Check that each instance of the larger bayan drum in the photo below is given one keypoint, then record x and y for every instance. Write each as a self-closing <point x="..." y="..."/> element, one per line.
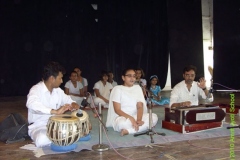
<point x="63" y="130"/>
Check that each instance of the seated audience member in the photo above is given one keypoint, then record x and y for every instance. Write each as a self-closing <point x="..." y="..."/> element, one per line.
<point x="102" y="90"/>
<point x="74" y="88"/>
<point x="110" y="79"/>
<point x="140" y="80"/>
<point x="154" y="92"/>
<point x="127" y="111"/>
<point x="82" y="80"/>
<point x="188" y="91"/>
<point x="46" y="99"/>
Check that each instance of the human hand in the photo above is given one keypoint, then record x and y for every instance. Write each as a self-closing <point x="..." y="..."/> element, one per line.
<point x="74" y="106"/>
<point x="186" y="104"/>
<point x="62" y="109"/>
<point x="134" y="123"/>
<point x="202" y="83"/>
<point x="140" y="123"/>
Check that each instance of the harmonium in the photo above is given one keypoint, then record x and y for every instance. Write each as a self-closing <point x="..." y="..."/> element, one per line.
<point x="194" y="118"/>
<point x="230" y="108"/>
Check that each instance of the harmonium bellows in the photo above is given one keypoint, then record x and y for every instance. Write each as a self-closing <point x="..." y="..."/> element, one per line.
<point x="199" y="114"/>
<point x="194" y="118"/>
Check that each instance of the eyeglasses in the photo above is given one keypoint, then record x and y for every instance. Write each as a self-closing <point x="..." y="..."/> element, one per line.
<point x="131" y="75"/>
<point x="190" y="75"/>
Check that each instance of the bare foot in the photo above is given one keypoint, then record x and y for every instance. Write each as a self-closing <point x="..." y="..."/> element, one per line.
<point x="124" y="132"/>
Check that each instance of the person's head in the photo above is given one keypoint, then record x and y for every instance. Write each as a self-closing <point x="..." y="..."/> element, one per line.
<point x="104" y="76"/>
<point x="78" y="70"/>
<point x="189" y="73"/>
<point x="139" y="73"/>
<point x="154" y="80"/>
<point x="53" y="73"/>
<point x="73" y="76"/>
<point x="110" y="75"/>
<point x="128" y="77"/>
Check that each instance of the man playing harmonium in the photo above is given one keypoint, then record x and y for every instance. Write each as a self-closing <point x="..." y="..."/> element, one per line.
<point x="187" y="92"/>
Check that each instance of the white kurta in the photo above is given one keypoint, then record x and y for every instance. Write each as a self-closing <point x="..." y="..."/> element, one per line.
<point x="141" y="82"/>
<point x="84" y="82"/>
<point x="72" y="89"/>
<point x="128" y="98"/>
<point x="40" y="102"/>
<point x="104" y="91"/>
<point x="180" y="93"/>
<point x="75" y="90"/>
<point x="114" y="83"/>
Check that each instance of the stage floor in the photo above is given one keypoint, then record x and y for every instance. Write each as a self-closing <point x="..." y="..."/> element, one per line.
<point x="207" y="149"/>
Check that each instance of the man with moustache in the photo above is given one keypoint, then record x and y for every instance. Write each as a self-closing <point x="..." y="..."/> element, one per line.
<point x="188" y="91"/>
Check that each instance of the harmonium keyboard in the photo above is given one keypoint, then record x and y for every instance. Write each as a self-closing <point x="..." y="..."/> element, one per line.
<point x="194" y="118"/>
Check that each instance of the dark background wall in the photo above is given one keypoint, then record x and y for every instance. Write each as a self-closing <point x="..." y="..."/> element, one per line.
<point x="226" y="43"/>
<point x="127" y="34"/>
<point x="186" y="42"/>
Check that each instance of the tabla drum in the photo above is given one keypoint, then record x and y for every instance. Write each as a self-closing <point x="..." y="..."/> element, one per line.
<point x="63" y="130"/>
<point x="85" y="124"/>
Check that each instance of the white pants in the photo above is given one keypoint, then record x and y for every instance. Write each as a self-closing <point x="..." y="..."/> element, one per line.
<point x="77" y="99"/>
<point x="39" y="136"/>
<point x="99" y="100"/>
<point x="123" y="123"/>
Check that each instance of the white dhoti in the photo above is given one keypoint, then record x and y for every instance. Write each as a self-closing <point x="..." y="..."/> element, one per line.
<point x="77" y="99"/>
<point x="123" y="123"/>
<point x="39" y="135"/>
<point x="99" y="100"/>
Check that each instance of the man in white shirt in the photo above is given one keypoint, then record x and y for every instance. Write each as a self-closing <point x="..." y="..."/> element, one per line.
<point x="187" y="92"/>
<point x="46" y="99"/>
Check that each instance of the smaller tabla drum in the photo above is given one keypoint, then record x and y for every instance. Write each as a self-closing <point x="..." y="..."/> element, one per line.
<point x="63" y="130"/>
<point x="84" y="122"/>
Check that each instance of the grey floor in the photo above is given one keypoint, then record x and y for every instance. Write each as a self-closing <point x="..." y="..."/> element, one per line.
<point x="205" y="149"/>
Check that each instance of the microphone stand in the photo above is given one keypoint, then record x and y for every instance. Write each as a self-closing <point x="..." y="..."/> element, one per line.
<point x="211" y="90"/>
<point x="234" y="127"/>
<point x="85" y="104"/>
<point x="149" y="131"/>
<point x="100" y="146"/>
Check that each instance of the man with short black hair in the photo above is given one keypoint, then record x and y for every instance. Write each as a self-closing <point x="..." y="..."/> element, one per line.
<point x="187" y="92"/>
<point x="46" y="99"/>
